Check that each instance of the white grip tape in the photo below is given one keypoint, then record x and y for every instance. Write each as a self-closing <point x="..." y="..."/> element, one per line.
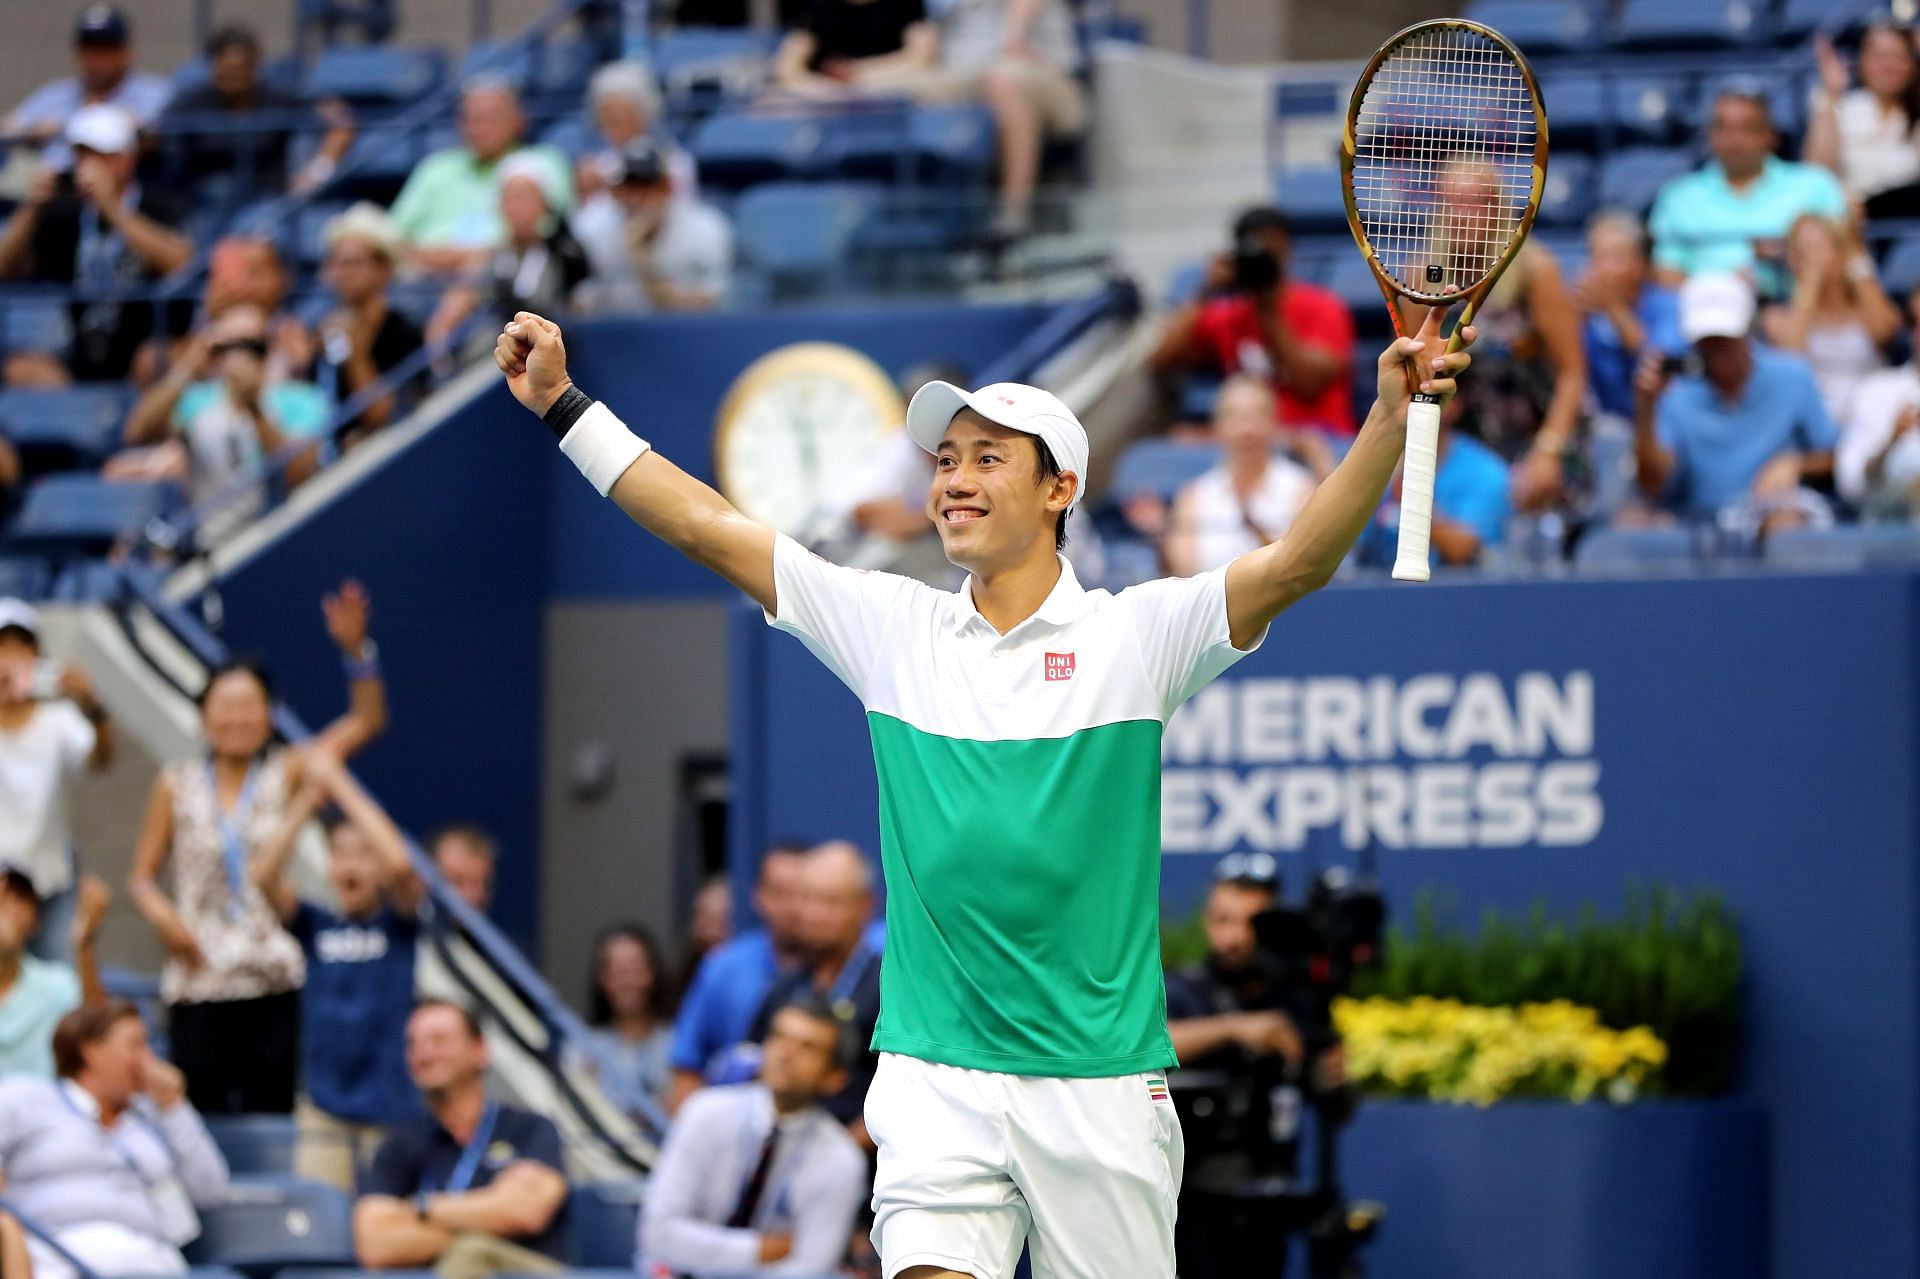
<point x="602" y="447"/>
<point x="1416" y="492"/>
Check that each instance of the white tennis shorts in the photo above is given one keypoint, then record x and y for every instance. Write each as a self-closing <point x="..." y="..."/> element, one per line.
<point x="973" y="1163"/>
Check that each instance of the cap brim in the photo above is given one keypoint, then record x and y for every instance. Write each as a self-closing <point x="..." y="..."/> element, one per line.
<point x="932" y="410"/>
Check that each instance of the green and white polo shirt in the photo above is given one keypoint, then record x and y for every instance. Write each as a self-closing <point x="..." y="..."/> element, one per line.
<point x="1019" y="805"/>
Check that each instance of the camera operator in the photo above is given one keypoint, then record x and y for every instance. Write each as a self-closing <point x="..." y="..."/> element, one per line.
<point x="1252" y="316"/>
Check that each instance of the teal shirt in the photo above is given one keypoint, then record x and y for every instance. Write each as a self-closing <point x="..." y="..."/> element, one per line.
<point x="43" y="994"/>
<point x="450" y="198"/>
<point x="1700" y="223"/>
<point x="298" y="408"/>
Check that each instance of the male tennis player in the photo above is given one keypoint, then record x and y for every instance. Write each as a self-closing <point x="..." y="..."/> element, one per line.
<point x="1016" y="731"/>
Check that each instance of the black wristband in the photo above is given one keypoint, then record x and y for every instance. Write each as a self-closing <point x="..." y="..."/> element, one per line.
<point x="565" y="411"/>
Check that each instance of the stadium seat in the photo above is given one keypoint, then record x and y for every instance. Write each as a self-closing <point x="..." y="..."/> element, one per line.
<point x="1800" y="18"/>
<point x="85" y="514"/>
<point x="268" y="1224"/>
<point x="1635" y="550"/>
<point x="509" y="60"/>
<point x="1353" y="282"/>
<point x="952" y="143"/>
<point x="561" y="68"/>
<point x="375" y="166"/>
<point x="1567" y="197"/>
<point x="735" y="151"/>
<point x="55" y="429"/>
<point x="1158" y="467"/>
<point x="33" y="318"/>
<point x="25" y="579"/>
<point x="1843" y="548"/>
<point x="1689" y="24"/>
<point x="800" y="230"/>
<point x="573" y="134"/>
<point x="1198" y="394"/>
<point x="1538" y="26"/>
<point x="255" y="1144"/>
<point x="1584" y="105"/>
<point x="603" y="1217"/>
<point x="1900" y="271"/>
<point x="693" y="59"/>
<point x="376" y="76"/>
<point x="1311" y="198"/>
<point x="306" y="246"/>
<point x="1184" y="285"/>
<point x="1631" y="178"/>
<point x="871" y="141"/>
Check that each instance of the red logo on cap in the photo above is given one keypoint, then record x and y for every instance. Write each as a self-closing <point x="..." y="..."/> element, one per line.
<point x="1059" y="666"/>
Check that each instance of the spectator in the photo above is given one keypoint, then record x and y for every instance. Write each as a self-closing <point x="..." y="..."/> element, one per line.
<point x="364" y="338"/>
<point x="353" y="1012"/>
<point x="15" y="1261"/>
<point x="711" y="923"/>
<point x="1738" y="441"/>
<point x="99" y="229"/>
<point x="242" y="270"/>
<point x="9" y="472"/>
<point x="52" y="726"/>
<point x="1625" y="313"/>
<point x="464" y="854"/>
<point x="1733" y="214"/>
<point x="449" y="211"/>
<point x="651" y="249"/>
<point x="845" y="47"/>
<point x="1472" y="501"/>
<point x="111" y="1159"/>
<point x="218" y="415"/>
<point x="631" y="1009"/>
<point x="230" y="135"/>
<point x="879" y="505"/>
<point x="1867" y="136"/>
<point x="537" y="267"/>
<point x="733" y="981"/>
<point x="1838" y="316"/>
<point x="233" y="973"/>
<point x="36" y="993"/>
<point x="1877" y="463"/>
<point x="757" y="1178"/>
<point x="471" y="1188"/>
<point x="841" y="964"/>
<point x="1249" y="498"/>
<point x="103" y="63"/>
<point x="625" y="101"/>
<point x="1254" y="317"/>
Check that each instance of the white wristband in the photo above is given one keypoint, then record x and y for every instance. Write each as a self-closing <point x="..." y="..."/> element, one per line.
<point x="602" y="447"/>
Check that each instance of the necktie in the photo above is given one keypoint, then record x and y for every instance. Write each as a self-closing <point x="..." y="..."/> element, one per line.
<point x="756" y="1184"/>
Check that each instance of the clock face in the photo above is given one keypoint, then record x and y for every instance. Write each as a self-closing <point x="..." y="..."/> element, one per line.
<point x="799" y="424"/>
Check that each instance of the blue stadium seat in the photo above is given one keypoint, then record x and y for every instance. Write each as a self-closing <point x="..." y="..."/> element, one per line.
<point x="25" y="579"/>
<point x="1199" y="392"/>
<point x="1800" y="18"/>
<point x="1631" y="178"/>
<point x="562" y="68"/>
<point x="255" y="1144"/>
<point x="603" y="1217"/>
<point x="871" y="141"/>
<point x="268" y="1224"/>
<point x="87" y="582"/>
<point x="1185" y="283"/>
<point x="1689" y="24"/>
<point x="53" y="429"/>
<point x="1846" y="547"/>
<point x="804" y="230"/>
<point x="952" y="143"/>
<point x="306" y="245"/>
<point x="375" y="166"/>
<point x="83" y="513"/>
<point x="692" y="58"/>
<point x="736" y="151"/>
<point x="1900" y="271"/>
<point x="1582" y="105"/>
<point x="573" y="134"/>
<point x="211" y="1272"/>
<point x="1635" y="550"/>
<point x="33" y="318"/>
<point x="1353" y="282"/>
<point x="509" y="60"/>
<point x="1311" y="198"/>
<point x="1158" y="467"/>
<point x="1538" y="26"/>
<point x="1568" y="195"/>
<point x="376" y="75"/>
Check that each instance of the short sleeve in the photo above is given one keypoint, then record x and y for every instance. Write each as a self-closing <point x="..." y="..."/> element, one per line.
<point x="1817" y="430"/>
<point x="1668" y="251"/>
<point x="839" y="613"/>
<point x="541" y="1145"/>
<point x="395" y="1170"/>
<point x="193" y="402"/>
<point x="1824" y="195"/>
<point x="692" y="1038"/>
<point x="302" y="408"/>
<point x="1876" y="407"/>
<point x="77" y="736"/>
<point x="1483" y="504"/>
<point x="1184" y="636"/>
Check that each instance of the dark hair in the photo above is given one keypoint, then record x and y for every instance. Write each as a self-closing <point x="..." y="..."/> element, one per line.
<point x="659" y="999"/>
<point x="814" y="1005"/>
<point x="1910" y="100"/>
<point x="1260" y="219"/>
<point x="782" y="848"/>
<point x="25" y="633"/>
<point x="467" y="1016"/>
<point x="17" y="883"/>
<point x="247" y="663"/>
<point x="82" y="1028"/>
<point x="469" y="833"/>
<point x="1047" y="469"/>
<point x="233" y="36"/>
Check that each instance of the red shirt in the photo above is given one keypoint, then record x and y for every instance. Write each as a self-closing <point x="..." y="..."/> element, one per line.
<point x="1230" y="331"/>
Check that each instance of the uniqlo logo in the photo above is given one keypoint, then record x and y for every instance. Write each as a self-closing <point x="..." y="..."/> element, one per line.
<point x="1059" y="666"/>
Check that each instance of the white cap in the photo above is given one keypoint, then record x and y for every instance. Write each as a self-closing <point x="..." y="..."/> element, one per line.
<point x="528" y="163"/>
<point x="103" y="128"/>
<point x="19" y="613"/>
<point x="1018" y="407"/>
<point x="1715" y="305"/>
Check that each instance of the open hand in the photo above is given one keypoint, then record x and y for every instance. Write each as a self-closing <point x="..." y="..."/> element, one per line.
<point x="1421" y="363"/>
<point x="534" y="359"/>
<point x="347" y="611"/>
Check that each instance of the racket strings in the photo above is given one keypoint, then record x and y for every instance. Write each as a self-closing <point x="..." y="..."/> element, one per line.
<point x="1443" y="159"/>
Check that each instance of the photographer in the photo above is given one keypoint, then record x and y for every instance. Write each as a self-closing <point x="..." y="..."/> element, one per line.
<point x="1253" y="317"/>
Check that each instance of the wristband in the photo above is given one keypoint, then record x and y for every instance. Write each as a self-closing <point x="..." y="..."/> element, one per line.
<point x="565" y="411"/>
<point x="365" y="666"/>
<point x="601" y="446"/>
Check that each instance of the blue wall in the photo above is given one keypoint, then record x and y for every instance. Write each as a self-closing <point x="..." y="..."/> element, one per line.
<point x="1754" y="735"/>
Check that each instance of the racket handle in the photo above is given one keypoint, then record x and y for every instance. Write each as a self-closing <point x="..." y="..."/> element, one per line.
<point x="1416" y="490"/>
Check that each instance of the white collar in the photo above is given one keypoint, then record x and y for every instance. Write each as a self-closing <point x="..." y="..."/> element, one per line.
<point x="1064" y="604"/>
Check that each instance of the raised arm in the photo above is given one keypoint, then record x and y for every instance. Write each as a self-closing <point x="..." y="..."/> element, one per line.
<point x="659" y="496"/>
<point x="347" y="612"/>
<point x="1263" y="583"/>
<point x="269" y="868"/>
<point x="389" y="845"/>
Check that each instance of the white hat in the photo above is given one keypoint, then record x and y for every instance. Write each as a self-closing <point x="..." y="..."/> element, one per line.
<point x="19" y="614"/>
<point x="366" y="222"/>
<point x="528" y="163"/>
<point x="1715" y="305"/>
<point x="1027" y="409"/>
<point x="103" y="128"/>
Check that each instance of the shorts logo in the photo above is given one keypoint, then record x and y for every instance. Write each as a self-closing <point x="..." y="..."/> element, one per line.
<point x="1059" y="666"/>
<point x="1157" y="1090"/>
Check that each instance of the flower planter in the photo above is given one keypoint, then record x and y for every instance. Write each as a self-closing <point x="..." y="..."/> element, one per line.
<point x="1539" y="1190"/>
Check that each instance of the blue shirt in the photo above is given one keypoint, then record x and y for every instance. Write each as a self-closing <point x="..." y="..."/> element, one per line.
<point x="354" y="1013"/>
<point x="41" y="995"/>
<point x="728" y="989"/>
<point x="420" y="1156"/>
<point x="1610" y="365"/>
<point x="141" y="95"/>
<point x="1700" y="223"/>
<point x="1718" y="448"/>
<point x="1470" y="488"/>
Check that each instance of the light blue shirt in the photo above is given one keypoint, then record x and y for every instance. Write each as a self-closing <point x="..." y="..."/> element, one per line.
<point x="1470" y="488"/>
<point x="1610" y="365"/>
<point x="41" y="996"/>
<point x="1700" y="223"/>
<point x="1718" y="448"/>
<point x="728" y="989"/>
<point x="140" y="95"/>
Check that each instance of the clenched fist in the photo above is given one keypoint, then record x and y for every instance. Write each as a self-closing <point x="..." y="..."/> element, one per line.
<point x="534" y="359"/>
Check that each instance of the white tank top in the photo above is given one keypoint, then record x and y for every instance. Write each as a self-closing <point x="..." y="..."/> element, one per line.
<point x="1224" y="529"/>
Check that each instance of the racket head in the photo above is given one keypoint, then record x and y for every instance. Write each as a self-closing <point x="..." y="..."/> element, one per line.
<point x="1443" y="160"/>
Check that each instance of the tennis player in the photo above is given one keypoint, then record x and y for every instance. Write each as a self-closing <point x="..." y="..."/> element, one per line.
<point x="1016" y="723"/>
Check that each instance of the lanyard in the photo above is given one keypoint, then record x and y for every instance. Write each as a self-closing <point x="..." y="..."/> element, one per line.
<point x="840" y="995"/>
<point x="107" y="1135"/>
<point x="476" y="1150"/>
<point x="233" y="837"/>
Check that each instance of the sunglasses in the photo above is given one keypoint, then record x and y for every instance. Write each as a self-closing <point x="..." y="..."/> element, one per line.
<point x="252" y="346"/>
<point x="1258" y="867"/>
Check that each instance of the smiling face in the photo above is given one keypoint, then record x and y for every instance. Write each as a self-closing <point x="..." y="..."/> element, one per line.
<point x="354" y="871"/>
<point x="1886" y="63"/>
<point x="236" y="715"/>
<point x="443" y="1053"/>
<point x="989" y="500"/>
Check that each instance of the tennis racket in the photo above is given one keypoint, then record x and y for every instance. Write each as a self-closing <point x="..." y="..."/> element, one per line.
<point x="1442" y="163"/>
